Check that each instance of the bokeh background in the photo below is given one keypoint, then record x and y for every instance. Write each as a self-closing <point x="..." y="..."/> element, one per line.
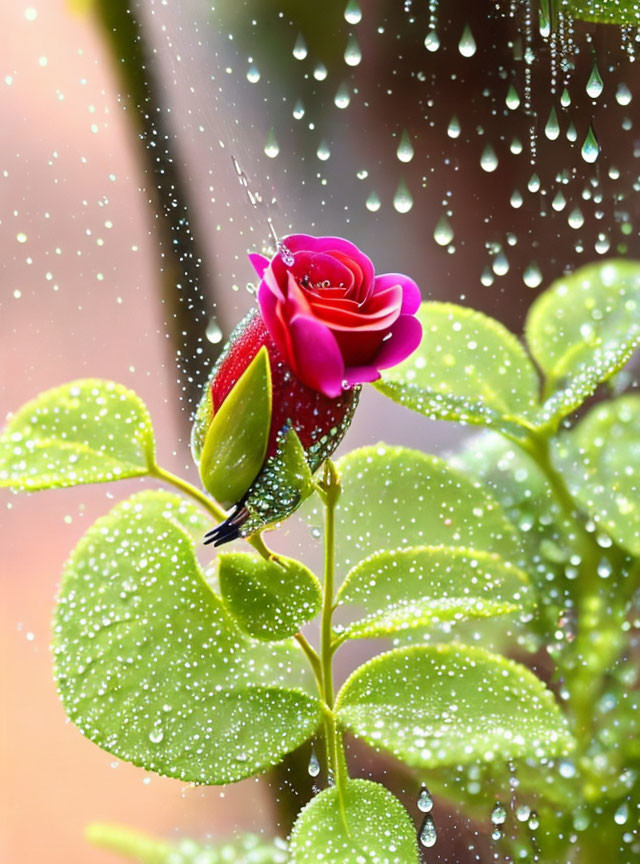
<point x="128" y="203"/>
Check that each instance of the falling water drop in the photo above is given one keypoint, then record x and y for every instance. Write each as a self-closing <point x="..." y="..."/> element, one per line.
<point x="516" y="146"/>
<point x="213" y="331"/>
<point x="314" y="765"/>
<point x="324" y="151"/>
<point x="342" y="97"/>
<point x="352" y="53"/>
<point x="453" y="129"/>
<point x="516" y="199"/>
<point x="622" y="814"/>
<point x="402" y="200"/>
<point x="428" y="834"/>
<point x="443" y="232"/>
<point x="532" y="277"/>
<point x="534" y="183"/>
<point x="405" y="148"/>
<point x="559" y="202"/>
<point x="575" y="218"/>
<point x="487" y="277"/>
<point x="431" y="41"/>
<point x="500" y="265"/>
<point x="498" y="814"/>
<point x="590" y="149"/>
<point x="425" y="801"/>
<point x="623" y="95"/>
<point x="467" y="44"/>
<point x="271" y="147"/>
<point x="253" y="74"/>
<point x="565" y="99"/>
<point x="300" y="48"/>
<point x="320" y="72"/>
<point x="572" y="133"/>
<point x="489" y="160"/>
<point x="373" y="202"/>
<point x="552" y="129"/>
<point x="594" y="84"/>
<point x="512" y="99"/>
<point x="298" y="110"/>
<point x="353" y="13"/>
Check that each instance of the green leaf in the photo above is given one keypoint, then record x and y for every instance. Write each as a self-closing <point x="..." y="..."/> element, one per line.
<point x="468" y="368"/>
<point x="378" y="829"/>
<point x="88" y="431"/>
<point x="582" y="331"/>
<point x="235" y="445"/>
<point x="248" y="849"/>
<point x="600" y="459"/>
<point x="394" y="498"/>
<point x="426" y="585"/>
<point x="451" y="704"/>
<point x="152" y="668"/>
<point x="605" y="11"/>
<point x="269" y="599"/>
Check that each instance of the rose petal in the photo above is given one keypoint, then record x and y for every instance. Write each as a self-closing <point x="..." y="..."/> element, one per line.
<point x="317" y="358"/>
<point x="259" y="263"/>
<point x="270" y="309"/>
<point x="360" y="375"/>
<point x="305" y="242"/>
<point x="411" y="297"/>
<point x="406" y="335"/>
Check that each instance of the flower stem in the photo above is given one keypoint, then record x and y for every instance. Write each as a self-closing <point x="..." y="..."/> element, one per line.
<point x="209" y="505"/>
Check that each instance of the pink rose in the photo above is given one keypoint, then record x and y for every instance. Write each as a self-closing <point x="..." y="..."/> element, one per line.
<point x="333" y="320"/>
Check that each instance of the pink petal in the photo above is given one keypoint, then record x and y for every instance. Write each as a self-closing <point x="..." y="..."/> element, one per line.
<point x="411" y="298"/>
<point x="361" y="375"/>
<point x="317" y="358"/>
<point x="272" y="316"/>
<point x="406" y="335"/>
<point x="259" y="263"/>
<point x="305" y="242"/>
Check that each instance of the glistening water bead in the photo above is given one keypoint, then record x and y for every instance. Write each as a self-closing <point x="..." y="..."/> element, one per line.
<point x="428" y="833"/>
<point x="425" y="801"/>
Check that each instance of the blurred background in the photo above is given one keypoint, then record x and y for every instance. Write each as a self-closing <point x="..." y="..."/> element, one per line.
<point x="145" y="148"/>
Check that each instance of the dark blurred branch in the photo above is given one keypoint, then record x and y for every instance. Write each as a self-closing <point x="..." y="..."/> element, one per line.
<point x="186" y="281"/>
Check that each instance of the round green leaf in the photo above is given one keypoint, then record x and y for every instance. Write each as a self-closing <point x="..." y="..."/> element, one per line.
<point x="600" y="459"/>
<point x="88" y="431"/>
<point x="394" y="498"/>
<point x="583" y="330"/>
<point x="625" y="12"/>
<point x="424" y="585"/>
<point x="269" y="599"/>
<point x="469" y="368"/>
<point x="452" y="704"/>
<point x="151" y="667"/>
<point x="373" y="828"/>
<point x="235" y="445"/>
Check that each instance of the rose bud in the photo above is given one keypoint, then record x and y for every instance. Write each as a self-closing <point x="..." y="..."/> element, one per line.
<point x="283" y="392"/>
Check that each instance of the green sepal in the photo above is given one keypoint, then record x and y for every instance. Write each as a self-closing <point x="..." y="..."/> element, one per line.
<point x="235" y="444"/>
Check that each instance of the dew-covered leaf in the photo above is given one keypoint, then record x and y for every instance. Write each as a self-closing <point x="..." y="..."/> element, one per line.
<point x="451" y="704"/>
<point x="583" y="330"/>
<point x="160" y="504"/>
<point x="269" y="599"/>
<point x="88" y="431"/>
<point x="600" y="459"/>
<point x="605" y="11"/>
<point x="378" y="829"/>
<point x="393" y="498"/>
<point x="247" y="849"/>
<point x="425" y="585"/>
<point x="468" y="368"/>
<point x="152" y="668"/>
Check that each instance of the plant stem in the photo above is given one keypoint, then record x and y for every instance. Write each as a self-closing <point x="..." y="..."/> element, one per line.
<point x="210" y="506"/>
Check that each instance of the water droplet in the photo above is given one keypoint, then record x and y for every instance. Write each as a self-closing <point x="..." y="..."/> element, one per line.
<point x="523" y="812"/>
<point x="590" y="149"/>
<point x="405" y="148"/>
<point x="314" y="765"/>
<point x="432" y="41"/>
<point x="156" y="736"/>
<point x="342" y="97"/>
<point x="516" y="200"/>
<point x="622" y="814"/>
<point x="467" y="44"/>
<point x="532" y="277"/>
<point x="271" y="147"/>
<point x="565" y="99"/>
<point x="572" y="133"/>
<point x="21" y="237"/>
<point x="352" y="12"/>
<point x="534" y="183"/>
<point x="402" y="200"/>
<point x="453" y="129"/>
<point x="253" y="74"/>
<point x="594" y="84"/>
<point x="320" y="72"/>
<point x="373" y="202"/>
<point x="623" y="95"/>
<point x="489" y="160"/>
<point x="534" y="822"/>
<point x="512" y="99"/>
<point x="213" y="331"/>
<point x="487" y="277"/>
<point x="300" y="48"/>
<point x="428" y="834"/>
<point x="443" y="232"/>
<point x="500" y="265"/>
<point x="323" y="152"/>
<point x="516" y="146"/>
<point x="498" y="814"/>
<point x="552" y="129"/>
<point x="567" y="769"/>
<point x="425" y="801"/>
<point x="298" y="110"/>
<point x="352" y="53"/>
<point x="559" y="202"/>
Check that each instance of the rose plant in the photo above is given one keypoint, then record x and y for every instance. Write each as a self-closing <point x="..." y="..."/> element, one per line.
<point x="206" y="675"/>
